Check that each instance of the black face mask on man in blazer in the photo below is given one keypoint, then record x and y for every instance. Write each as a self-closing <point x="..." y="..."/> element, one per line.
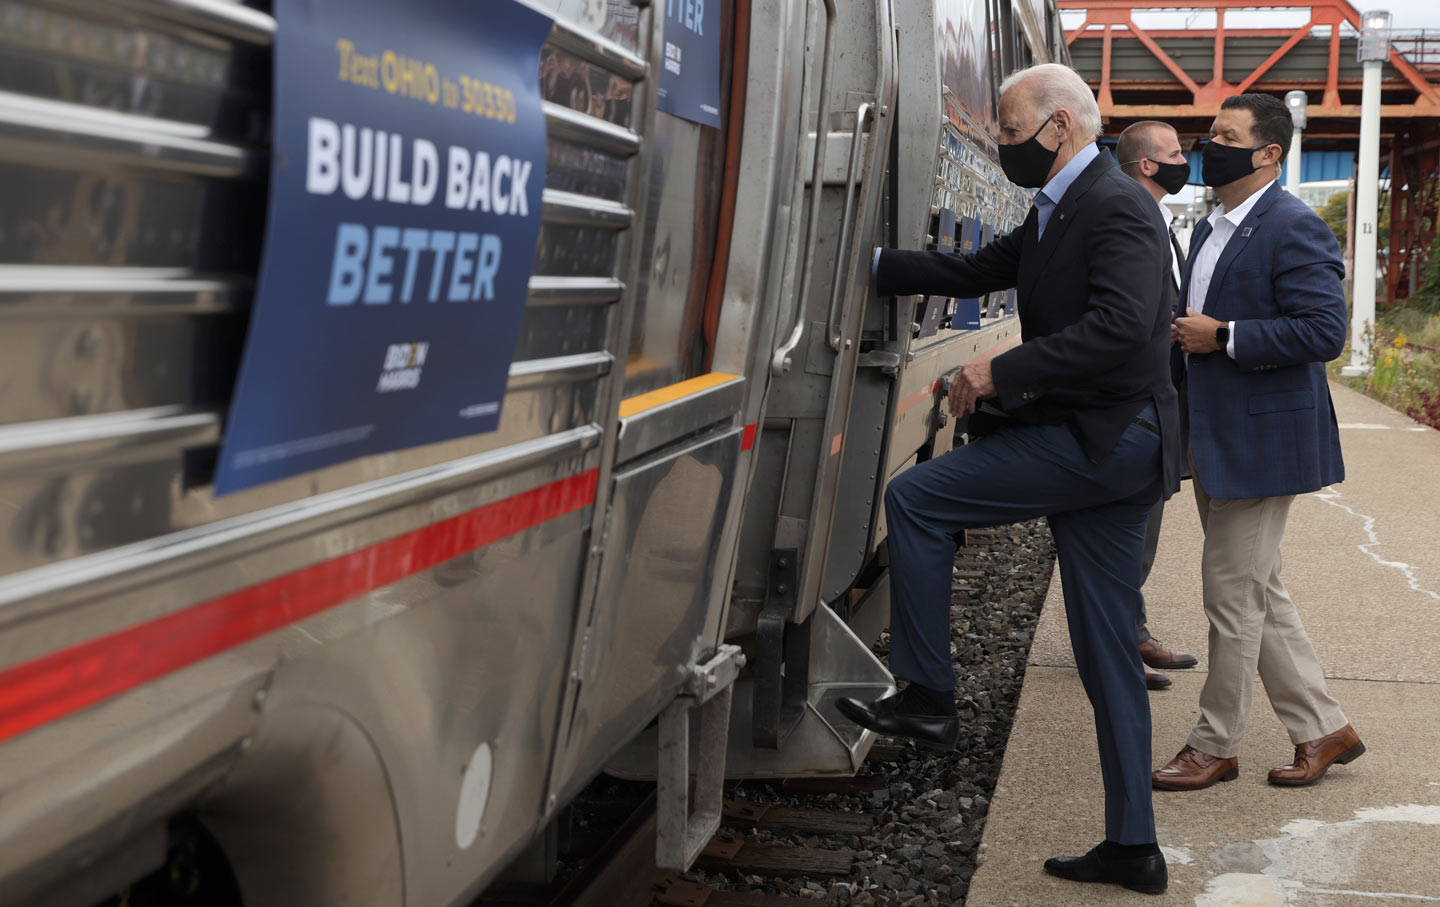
<point x="1221" y="165"/>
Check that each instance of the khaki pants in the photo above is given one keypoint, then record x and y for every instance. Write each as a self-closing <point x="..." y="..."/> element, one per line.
<point x="1254" y="626"/>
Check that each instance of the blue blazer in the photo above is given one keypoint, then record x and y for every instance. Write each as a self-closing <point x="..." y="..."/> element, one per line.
<point x="1262" y="424"/>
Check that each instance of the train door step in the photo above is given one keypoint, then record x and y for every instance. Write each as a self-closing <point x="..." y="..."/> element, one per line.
<point x="682" y="828"/>
<point x="823" y="742"/>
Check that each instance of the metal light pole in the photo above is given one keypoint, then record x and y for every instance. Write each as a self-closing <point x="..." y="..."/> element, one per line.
<point x="1296" y="101"/>
<point x="1374" y="49"/>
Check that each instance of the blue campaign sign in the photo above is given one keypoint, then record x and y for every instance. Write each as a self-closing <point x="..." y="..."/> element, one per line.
<point x="405" y="201"/>
<point x="945" y="230"/>
<point x="967" y="240"/>
<point x="690" y="81"/>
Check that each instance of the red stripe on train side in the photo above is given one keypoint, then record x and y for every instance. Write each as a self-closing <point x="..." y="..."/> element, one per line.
<point x="917" y="398"/>
<point x="62" y="683"/>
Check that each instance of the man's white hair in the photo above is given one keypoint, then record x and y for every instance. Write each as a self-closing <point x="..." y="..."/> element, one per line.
<point x="1051" y="86"/>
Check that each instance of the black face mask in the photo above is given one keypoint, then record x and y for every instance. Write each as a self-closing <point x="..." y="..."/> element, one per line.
<point x="1171" y="177"/>
<point x="1028" y="163"/>
<point x="1221" y="165"/>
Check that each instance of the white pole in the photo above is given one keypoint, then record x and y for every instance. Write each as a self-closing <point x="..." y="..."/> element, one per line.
<point x="1350" y="230"/>
<point x="1298" y="103"/>
<point x="1292" y="176"/>
<point x="1367" y="200"/>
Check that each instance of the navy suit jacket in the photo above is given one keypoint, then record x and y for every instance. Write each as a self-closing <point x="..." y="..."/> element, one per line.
<point x="1262" y="424"/>
<point x="1093" y="313"/>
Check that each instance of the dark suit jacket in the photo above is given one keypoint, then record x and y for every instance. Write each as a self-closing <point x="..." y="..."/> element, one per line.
<point x="1094" y="314"/>
<point x="1262" y="424"/>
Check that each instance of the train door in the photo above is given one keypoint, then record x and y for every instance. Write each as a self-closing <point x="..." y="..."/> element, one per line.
<point x="692" y="379"/>
<point x="820" y="371"/>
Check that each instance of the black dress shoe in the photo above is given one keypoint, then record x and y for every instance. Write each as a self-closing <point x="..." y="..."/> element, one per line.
<point x="1143" y="874"/>
<point x="1154" y="680"/>
<point x="936" y="732"/>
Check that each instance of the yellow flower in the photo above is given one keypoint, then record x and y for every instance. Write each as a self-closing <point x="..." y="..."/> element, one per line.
<point x="1399" y="342"/>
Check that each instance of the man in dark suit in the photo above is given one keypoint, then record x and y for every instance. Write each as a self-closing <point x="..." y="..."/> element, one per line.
<point x="1266" y="310"/>
<point x="1149" y="152"/>
<point x="1085" y="407"/>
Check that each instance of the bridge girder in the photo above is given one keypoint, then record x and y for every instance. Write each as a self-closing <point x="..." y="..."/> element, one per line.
<point x="1189" y="97"/>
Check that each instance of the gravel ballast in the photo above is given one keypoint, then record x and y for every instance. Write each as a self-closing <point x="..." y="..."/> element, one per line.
<point x="930" y="815"/>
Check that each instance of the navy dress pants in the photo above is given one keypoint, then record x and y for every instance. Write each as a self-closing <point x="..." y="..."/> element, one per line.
<point x="1097" y="514"/>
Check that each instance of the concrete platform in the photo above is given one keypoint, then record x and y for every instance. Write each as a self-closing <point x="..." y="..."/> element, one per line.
<point x="1362" y="561"/>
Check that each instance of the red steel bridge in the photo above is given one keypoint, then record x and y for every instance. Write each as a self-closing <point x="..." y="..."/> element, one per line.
<point x="1180" y="75"/>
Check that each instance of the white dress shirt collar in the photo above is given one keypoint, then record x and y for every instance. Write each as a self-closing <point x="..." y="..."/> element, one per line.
<point x="1169" y="217"/>
<point x="1242" y="210"/>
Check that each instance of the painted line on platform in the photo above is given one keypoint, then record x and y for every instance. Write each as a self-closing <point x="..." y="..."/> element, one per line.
<point x="1330" y="495"/>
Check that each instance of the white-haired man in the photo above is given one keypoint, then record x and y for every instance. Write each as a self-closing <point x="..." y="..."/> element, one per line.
<point x="1086" y="436"/>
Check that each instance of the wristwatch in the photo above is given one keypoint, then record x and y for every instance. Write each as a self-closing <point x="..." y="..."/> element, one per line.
<point x="1222" y="335"/>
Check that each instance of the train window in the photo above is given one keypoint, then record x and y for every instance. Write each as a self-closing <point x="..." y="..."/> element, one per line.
<point x="622" y="23"/>
<point x="571" y="82"/>
<point x="997" y="63"/>
<point x="968" y="66"/>
<point x="668" y="341"/>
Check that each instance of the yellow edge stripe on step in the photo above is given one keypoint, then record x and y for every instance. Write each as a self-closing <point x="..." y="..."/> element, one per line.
<point x="634" y="405"/>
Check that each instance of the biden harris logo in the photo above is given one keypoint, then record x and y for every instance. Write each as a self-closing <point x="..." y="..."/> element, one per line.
<point x="403" y="364"/>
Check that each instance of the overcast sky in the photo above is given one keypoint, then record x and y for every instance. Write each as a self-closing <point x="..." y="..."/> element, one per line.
<point x="1408" y="14"/>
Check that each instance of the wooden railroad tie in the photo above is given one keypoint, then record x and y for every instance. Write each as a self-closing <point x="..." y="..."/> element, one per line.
<point x="781" y="859"/>
<point x="860" y="784"/>
<point x="886" y="752"/>
<point x="738" y="813"/>
<point x="680" y="893"/>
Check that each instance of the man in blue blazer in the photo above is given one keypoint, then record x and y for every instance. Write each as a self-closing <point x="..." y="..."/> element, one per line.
<point x="1084" y="408"/>
<point x="1265" y="311"/>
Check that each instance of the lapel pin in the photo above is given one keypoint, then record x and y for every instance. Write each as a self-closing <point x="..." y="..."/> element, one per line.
<point x="1247" y="231"/>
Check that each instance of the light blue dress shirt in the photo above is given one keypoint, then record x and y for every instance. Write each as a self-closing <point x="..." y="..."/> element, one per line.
<point x="1048" y="197"/>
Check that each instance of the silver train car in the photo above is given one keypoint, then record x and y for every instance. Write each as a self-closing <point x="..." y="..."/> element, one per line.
<point x="379" y="683"/>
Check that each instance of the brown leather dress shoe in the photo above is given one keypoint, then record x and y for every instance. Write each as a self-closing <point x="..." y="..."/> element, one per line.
<point x="1194" y="770"/>
<point x="1158" y="655"/>
<point x="1154" y="680"/>
<point x="1314" y="757"/>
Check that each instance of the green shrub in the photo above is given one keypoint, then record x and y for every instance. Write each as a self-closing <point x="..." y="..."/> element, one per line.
<point x="1427" y="297"/>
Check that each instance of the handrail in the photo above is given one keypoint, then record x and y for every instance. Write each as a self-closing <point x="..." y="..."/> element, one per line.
<point x="780" y="362"/>
<point x="601" y="52"/>
<point x="233" y="20"/>
<point x="44" y="130"/>
<point x="852" y="176"/>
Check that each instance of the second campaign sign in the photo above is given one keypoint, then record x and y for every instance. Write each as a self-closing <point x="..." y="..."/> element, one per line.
<point x="404" y="207"/>
<point x="690" y="81"/>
